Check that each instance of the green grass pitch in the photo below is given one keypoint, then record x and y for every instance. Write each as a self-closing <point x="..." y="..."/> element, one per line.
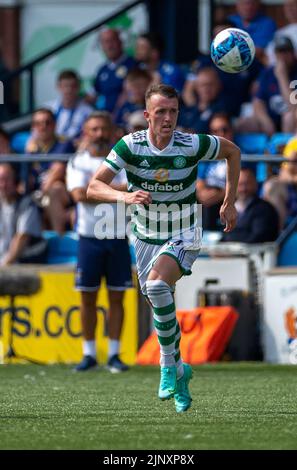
<point x="235" y="406"/>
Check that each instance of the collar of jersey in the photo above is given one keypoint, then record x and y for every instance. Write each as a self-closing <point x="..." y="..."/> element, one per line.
<point x="155" y="149"/>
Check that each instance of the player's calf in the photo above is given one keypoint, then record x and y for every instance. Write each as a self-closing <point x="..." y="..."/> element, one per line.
<point x="160" y="296"/>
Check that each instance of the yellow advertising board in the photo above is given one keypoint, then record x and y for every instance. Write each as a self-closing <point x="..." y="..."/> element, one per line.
<point x="47" y="327"/>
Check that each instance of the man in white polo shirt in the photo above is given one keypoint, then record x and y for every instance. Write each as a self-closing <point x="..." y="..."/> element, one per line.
<point x="100" y="254"/>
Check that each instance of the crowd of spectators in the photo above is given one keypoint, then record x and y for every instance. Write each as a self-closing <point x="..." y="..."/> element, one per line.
<point x="258" y="100"/>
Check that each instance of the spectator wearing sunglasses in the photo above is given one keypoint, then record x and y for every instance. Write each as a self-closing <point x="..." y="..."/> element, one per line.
<point x="48" y="178"/>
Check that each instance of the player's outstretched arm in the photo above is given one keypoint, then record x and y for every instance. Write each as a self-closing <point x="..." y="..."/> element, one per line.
<point x="230" y="152"/>
<point x="100" y="190"/>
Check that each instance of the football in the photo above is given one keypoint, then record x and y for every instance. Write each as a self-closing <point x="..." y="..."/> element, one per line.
<point x="232" y="50"/>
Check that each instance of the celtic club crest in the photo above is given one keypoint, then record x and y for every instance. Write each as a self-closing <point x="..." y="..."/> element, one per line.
<point x="179" y="162"/>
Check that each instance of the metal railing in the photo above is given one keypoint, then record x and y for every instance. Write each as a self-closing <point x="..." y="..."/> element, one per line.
<point x="30" y="66"/>
<point x="285" y="234"/>
<point x="26" y="157"/>
<point x="29" y="158"/>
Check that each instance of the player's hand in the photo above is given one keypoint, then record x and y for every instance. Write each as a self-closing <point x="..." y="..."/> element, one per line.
<point x="228" y="215"/>
<point x="137" y="197"/>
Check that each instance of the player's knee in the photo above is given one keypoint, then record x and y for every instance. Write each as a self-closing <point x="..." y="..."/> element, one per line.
<point x="156" y="288"/>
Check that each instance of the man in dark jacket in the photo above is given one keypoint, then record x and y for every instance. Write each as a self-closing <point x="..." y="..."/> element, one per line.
<point x="257" y="219"/>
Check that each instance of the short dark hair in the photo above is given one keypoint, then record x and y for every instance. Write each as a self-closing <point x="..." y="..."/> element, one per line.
<point x="46" y="111"/>
<point x="221" y="115"/>
<point x="164" y="90"/>
<point x="100" y="115"/>
<point x="136" y="73"/>
<point x="68" y="75"/>
<point x="154" y="40"/>
<point x="248" y="169"/>
<point x="209" y="69"/>
<point x="115" y="32"/>
<point x="226" y="23"/>
<point x="13" y="168"/>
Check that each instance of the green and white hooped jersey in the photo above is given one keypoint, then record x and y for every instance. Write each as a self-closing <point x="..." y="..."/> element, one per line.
<point x="170" y="177"/>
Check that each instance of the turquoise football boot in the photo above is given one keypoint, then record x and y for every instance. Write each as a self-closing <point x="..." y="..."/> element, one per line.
<point x="167" y="387"/>
<point x="182" y="397"/>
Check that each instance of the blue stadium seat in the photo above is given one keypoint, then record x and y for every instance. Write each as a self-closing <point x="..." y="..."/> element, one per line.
<point x="277" y="142"/>
<point x="61" y="249"/>
<point x="19" y="141"/>
<point x="132" y="254"/>
<point x="288" y="253"/>
<point x="252" y="142"/>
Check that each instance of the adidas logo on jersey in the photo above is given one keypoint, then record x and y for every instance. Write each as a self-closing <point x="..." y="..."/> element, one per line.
<point x="162" y="187"/>
<point x="145" y="163"/>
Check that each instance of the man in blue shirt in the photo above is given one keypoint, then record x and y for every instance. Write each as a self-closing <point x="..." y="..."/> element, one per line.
<point x="209" y="100"/>
<point x="272" y="107"/>
<point x="148" y="53"/>
<point x="108" y="83"/>
<point x="69" y="109"/>
<point x="260" y="27"/>
<point x="135" y="86"/>
<point x="236" y="87"/>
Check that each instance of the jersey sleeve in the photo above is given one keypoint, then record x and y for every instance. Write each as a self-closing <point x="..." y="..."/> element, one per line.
<point x="208" y="147"/>
<point x="119" y="156"/>
<point x="120" y="178"/>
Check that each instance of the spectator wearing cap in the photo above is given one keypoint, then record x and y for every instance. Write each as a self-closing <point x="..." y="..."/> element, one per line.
<point x="290" y="30"/>
<point x="48" y="178"/>
<point x="260" y="27"/>
<point x="108" y="84"/>
<point x="273" y="110"/>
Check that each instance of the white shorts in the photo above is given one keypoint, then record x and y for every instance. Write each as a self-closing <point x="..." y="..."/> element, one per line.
<point x="148" y="253"/>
